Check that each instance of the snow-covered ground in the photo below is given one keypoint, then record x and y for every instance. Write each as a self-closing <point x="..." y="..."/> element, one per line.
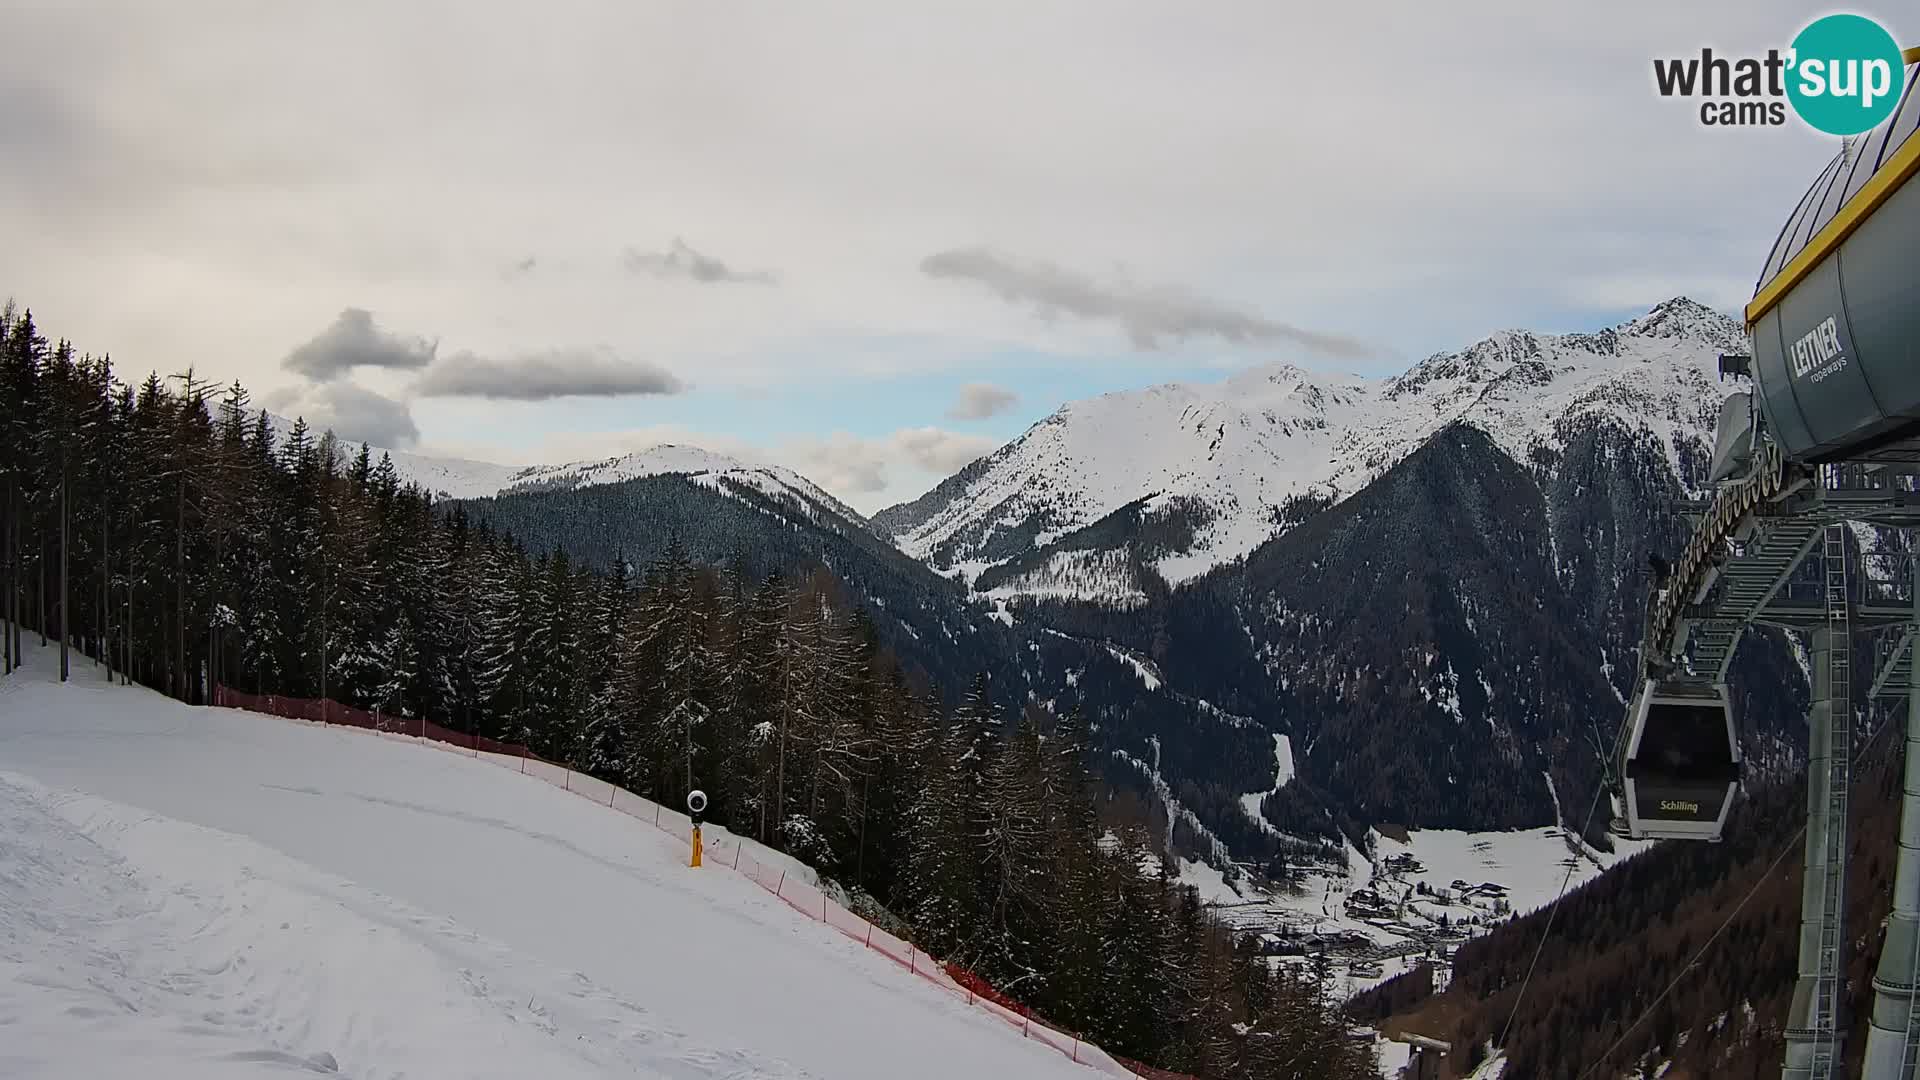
<point x="1283" y="772"/>
<point x="207" y="893"/>
<point x="1374" y="913"/>
<point x="1209" y="882"/>
<point x="1393" y="1056"/>
<point x="1148" y="676"/>
<point x="1530" y="865"/>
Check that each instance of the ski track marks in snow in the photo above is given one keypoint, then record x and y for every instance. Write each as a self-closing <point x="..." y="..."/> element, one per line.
<point x="444" y="917"/>
<point x="136" y="936"/>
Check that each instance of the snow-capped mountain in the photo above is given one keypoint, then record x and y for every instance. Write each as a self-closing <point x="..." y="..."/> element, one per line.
<point x="459" y="478"/>
<point x="1211" y="471"/>
<point x="705" y="466"/>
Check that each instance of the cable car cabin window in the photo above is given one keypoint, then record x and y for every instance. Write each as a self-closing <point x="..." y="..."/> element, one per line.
<point x="1684" y="743"/>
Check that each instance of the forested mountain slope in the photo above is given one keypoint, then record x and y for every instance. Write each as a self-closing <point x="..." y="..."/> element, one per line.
<point x="166" y="536"/>
<point x="1620" y="942"/>
<point x="1449" y="647"/>
<point x="1210" y="471"/>
<point x="723" y="518"/>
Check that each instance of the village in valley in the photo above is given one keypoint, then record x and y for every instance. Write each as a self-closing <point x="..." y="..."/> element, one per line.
<point x="1423" y="894"/>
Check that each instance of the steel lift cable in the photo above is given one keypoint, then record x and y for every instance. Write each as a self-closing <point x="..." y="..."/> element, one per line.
<point x="1858" y="757"/>
<point x="1553" y="909"/>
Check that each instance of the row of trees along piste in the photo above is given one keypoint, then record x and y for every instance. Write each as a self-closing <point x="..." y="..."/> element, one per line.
<point x="172" y="537"/>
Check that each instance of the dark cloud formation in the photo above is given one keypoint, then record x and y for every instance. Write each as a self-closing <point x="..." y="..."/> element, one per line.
<point x="543" y="375"/>
<point x="978" y="401"/>
<point x="682" y="261"/>
<point x="350" y="411"/>
<point x="353" y="341"/>
<point x="1148" y="314"/>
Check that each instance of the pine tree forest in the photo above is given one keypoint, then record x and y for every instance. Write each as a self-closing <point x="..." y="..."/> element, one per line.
<point x="168" y="534"/>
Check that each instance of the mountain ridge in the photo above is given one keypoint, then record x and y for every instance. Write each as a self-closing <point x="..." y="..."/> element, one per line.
<point x="451" y="478"/>
<point x="1234" y="456"/>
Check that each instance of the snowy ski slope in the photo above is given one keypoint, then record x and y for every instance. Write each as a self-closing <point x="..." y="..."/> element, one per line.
<point x="208" y="893"/>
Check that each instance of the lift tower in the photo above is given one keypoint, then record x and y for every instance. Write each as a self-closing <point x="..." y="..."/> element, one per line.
<point x="1829" y="435"/>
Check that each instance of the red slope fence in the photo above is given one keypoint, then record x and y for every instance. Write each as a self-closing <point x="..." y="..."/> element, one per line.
<point x="722" y="850"/>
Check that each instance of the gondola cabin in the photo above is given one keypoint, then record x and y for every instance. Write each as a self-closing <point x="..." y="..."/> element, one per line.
<point x="1681" y="763"/>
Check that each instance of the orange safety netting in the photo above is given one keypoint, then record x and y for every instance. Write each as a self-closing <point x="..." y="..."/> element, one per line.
<point x="722" y="850"/>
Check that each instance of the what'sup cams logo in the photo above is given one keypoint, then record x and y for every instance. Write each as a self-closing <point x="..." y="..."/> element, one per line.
<point x="1842" y="75"/>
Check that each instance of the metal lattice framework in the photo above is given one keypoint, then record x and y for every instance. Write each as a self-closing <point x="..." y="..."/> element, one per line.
<point x="1741" y="567"/>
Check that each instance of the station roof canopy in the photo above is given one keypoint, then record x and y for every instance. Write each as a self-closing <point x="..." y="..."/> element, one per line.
<point x="1854" y="184"/>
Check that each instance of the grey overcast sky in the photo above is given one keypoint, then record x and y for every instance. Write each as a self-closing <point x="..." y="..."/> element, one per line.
<point x="869" y="240"/>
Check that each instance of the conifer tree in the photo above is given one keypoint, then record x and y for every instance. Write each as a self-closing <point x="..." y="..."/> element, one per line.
<point x="184" y="543"/>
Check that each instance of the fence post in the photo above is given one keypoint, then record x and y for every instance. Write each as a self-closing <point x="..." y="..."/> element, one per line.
<point x="782" y="885"/>
<point x="566" y="784"/>
<point x="523" y="761"/>
<point x="737" y="845"/>
<point x="869" y="935"/>
<point x="913" y="959"/>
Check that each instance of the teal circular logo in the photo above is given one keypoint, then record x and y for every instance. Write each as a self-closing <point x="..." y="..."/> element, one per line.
<point x="1845" y="74"/>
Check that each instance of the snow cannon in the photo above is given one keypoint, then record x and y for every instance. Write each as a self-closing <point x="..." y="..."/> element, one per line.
<point x="696" y="806"/>
<point x="1835" y="317"/>
<point x="1681" y="762"/>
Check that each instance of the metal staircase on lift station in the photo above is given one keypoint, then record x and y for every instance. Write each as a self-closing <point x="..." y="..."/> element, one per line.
<point x="1825" y="438"/>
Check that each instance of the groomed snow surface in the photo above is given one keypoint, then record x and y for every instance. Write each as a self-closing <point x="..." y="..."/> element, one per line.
<point x="207" y="893"/>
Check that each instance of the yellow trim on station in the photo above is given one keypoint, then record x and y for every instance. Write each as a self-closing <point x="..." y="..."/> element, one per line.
<point x="1895" y="172"/>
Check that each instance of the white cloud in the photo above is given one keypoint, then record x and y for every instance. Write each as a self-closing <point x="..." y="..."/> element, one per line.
<point x="980" y="401"/>
<point x="861" y="468"/>
<point x="544" y="374"/>
<point x="353" y="341"/>
<point x="1149" y="314"/>
<point x="354" y="413"/>
<point x="681" y="261"/>
<point x="226" y="178"/>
